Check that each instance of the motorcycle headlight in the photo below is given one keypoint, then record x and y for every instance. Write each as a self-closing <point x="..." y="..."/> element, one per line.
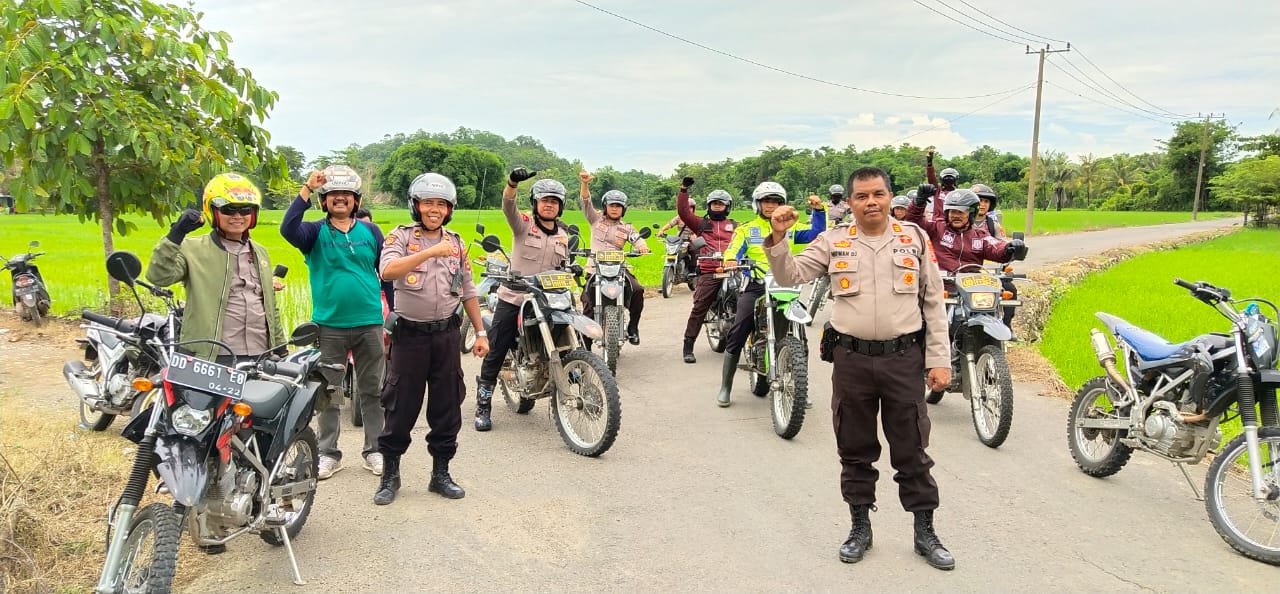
<point x="190" y="421"/>
<point x="610" y="269"/>
<point x="560" y="301"/>
<point x="982" y="300"/>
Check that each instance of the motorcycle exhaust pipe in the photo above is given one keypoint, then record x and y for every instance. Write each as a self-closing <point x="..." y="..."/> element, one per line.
<point x="1107" y="358"/>
<point x="84" y="387"/>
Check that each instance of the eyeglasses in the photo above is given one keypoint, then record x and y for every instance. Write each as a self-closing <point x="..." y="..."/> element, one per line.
<point x="233" y="209"/>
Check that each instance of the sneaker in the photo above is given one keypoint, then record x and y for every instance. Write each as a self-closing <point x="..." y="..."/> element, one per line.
<point x="373" y="463"/>
<point x="328" y="466"/>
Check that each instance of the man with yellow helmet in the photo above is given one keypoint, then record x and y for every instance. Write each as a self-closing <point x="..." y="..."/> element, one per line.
<point x="223" y="272"/>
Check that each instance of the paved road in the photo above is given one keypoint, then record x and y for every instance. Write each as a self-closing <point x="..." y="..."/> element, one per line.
<point x="697" y="498"/>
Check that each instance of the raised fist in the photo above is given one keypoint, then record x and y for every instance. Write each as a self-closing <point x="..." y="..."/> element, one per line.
<point x="686" y="182"/>
<point x="520" y="174"/>
<point x="924" y="193"/>
<point x="585" y="177"/>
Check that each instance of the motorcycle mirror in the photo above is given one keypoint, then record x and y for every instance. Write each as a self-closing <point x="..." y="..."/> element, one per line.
<point x="645" y="232"/>
<point x="573" y="242"/>
<point x="124" y="267"/>
<point x="1018" y="235"/>
<point x="491" y="244"/>
<point x="656" y="226"/>
<point x="34" y="244"/>
<point x="280" y="271"/>
<point x="697" y="244"/>
<point x="480" y="229"/>
<point x="305" y="334"/>
<point x="573" y="229"/>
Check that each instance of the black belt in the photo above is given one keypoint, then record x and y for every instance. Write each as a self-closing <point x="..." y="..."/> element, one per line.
<point x="877" y="348"/>
<point x="433" y="326"/>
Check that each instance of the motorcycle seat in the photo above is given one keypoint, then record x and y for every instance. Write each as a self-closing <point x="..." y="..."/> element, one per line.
<point x="266" y="398"/>
<point x="1148" y="345"/>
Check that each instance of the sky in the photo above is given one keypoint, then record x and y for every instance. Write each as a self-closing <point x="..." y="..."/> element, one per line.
<point x="596" y="87"/>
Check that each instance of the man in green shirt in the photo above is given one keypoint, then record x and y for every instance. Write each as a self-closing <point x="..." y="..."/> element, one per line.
<point x="342" y="255"/>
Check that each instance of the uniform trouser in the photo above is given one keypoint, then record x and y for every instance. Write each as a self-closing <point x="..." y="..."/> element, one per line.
<point x="423" y="362"/>
<point x="502" y="336"/>
<point x="365" y="344"/>
<point x="704" y="294"/>
<point x="635" y="302"/>
<point x="744" y="320"/>
<point x="862" y="383"/>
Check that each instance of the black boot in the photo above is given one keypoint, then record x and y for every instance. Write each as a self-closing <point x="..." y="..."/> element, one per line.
<point x="390" y="482"/>
<point x="928" y="545"/>
<point x="859" y="541"/>
<point x="484" y="406"/>
<point x="688" y="351"/>
<point x="633" y="335"/>
<point x="441" y="482"/>
<point x="726" y="378"/>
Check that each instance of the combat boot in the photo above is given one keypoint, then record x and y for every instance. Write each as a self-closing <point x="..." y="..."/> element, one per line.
<point x="726" y="378"/>
<point x="928" y="545"/>
<point x="859" y="541"/>
<point x="688" y="351"/>
<point x="390" y="482"/>
<point x="484" y="406"/>
<point x="441" y="482"/>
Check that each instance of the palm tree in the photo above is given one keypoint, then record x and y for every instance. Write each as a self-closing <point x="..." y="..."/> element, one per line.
<point x="1088" y="173"/>
<point x="1124" y="171"/>
<point x="1058" y="171"/>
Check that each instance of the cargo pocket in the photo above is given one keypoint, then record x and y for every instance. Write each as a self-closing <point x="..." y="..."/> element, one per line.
<point x="906" y="273"/>
<point x="844" y="280"/>
<point x="389" y="389"/>
<point x="532" y="251"/>
<point x="922" y="422"/>
<point x="413" y="281"/>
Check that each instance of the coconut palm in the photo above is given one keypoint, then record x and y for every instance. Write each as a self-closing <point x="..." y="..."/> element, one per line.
<point x="1123" y="171"/>
<point x="1058" y="172"/>
<point x="1089" y="174"/>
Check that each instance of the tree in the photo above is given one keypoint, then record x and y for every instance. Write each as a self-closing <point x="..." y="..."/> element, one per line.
<point x="1058" y="172"/>
<point x="1089" y="175"/>
<point x="1250" y="184"/>
<point x="478" y="175"/>
<point x="123" y="106"/>
<point x="1182" y="161"/>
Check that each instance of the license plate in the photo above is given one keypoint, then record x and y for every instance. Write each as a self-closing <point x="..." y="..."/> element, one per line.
<point x="722" y="275"/>
<point x="205" y="376"/>
<point x="554" y="281"/>
<point x="979" y="281"/>
<point x="610" y="257"/>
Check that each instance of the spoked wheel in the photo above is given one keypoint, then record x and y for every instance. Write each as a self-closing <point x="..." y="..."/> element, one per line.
<point x="1251" y="526"/>
<point x="468" y="340"/>
<point x="89" y="418"/>
<point x="589" y="415"/>
<point x="353" y="398"/>
<point x="301" y="464"/>
<point x="668" y="274"/>
<point x="612" y="336"/>
<point x="151" y="550"/>
<point x="717" y="331"/>
<point x="789" y="402"/>
<point x="1098" y="452"/>
<point x="992" y="397"/>
<point x="520" y="406"/>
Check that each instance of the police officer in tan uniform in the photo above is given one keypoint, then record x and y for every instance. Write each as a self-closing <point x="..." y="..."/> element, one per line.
<point x="427" y="262"/>
<point x="610" y="232"/>
<point x="538" y="244"/>
<point x="887" y="326"/>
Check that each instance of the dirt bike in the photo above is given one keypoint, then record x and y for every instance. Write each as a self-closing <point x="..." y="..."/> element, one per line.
<point x="776" y="352"/>
<point x="675" y="270"/>
<point x="1170" y="400"/>
<point x="819" y="294"/>
<point x="975" y="301"/>
<point x="30" y="295"/>
<point x="719" y="318"/>
<point x="231" y="444"/>
<point x="486" y="291"/>
<point x="549" y="361"/>
<point x="612" y="296"/>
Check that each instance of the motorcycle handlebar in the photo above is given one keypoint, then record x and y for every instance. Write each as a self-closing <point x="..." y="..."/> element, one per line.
<point x="1184" y="284"/>
<point x="108" y="321"/>
<point x="281" y="368"/>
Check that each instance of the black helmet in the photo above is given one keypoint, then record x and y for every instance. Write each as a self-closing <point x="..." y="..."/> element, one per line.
<point x="964" y="200"/>
<point x="985" y="191"/>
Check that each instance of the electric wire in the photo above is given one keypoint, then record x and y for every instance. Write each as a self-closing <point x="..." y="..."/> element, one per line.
<point x="954" y="20"/>
<point x="1112" y="106"/>
<point x="1101" y="92"/>
<point x="980" y="22"/>
<point x="980" y="11"/>
<point x="1009" y="95"/>
<point x="1095" y="67"/>
<point x="1094" y="85"/>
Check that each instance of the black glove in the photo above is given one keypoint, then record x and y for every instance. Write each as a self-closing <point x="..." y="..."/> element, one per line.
<point x="924" y="193"/>
<point x="520" y="174"/>
<point x="1017" y="250"/>
<point x="187" y="222"/>
<point x="687" y="182"/>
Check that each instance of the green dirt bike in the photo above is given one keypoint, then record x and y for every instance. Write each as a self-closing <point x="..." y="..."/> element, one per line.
<point x="776" y="353"/>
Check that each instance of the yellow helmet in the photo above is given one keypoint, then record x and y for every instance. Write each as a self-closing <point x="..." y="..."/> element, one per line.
<point x="229" y="189"/>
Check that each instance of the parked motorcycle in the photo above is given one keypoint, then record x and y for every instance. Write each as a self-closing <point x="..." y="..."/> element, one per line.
<point x="819" y="295"/>
<point x="675" y="269"/>
<point x="776" y="352"/>
<point x="549" y="360"/>
<point x="1170" y="400"/>
<point x="30" y="295"/>
<point x="231" y="444"/>
<point x="612" y="297"/>
<point x="491" y="265"/>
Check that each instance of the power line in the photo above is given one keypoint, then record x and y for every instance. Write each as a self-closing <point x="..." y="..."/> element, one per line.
<point x="952" y="19"/>
<point x="1095" y="67"/>
<point x="1009" y="95"/>
<point x="997" y="29"/>
<point x="980" y="11"/>
<point x="784" y="71"/>
<point x="1096" y="86"/>
<point x="1112" y="106"/>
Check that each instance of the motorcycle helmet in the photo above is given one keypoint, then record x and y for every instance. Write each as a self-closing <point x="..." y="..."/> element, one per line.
<point x="836" y="191"/>
<point x="897" y="201"/>
<point x="231" y="189"/>
<point x="963" y="200"/>
<point x="432" y="185"/>
<point x="985" y="191"/>
<point x="340" y="178"/>
<point x="615" y="197"/>
<point x="949" y="173"/>
<point x="768" y="189"/>
<point x="720" y="196"/>
<point x="544" y="188"/>
<point x="911" y="195"/>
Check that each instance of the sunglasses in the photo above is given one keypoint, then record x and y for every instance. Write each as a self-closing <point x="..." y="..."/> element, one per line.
<point x="234" y="209"/>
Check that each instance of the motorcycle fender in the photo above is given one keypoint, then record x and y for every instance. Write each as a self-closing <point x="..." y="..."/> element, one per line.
<point x="137" y="427"/>
<point x="1270" y="377"/>
<point x="611" y="289"/>
<point x="29" y="299"/>
<point x="181" y="464"/>
<point x="296" y="416"/>
<point x="993" y="326"/>
<point x="581" y="323"/>
<point x="797" y="313"/>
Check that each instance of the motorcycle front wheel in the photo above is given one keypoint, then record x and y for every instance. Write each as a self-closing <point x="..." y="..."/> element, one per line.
<point x="151" y="550"/>
<point x="300" y="464"/>
<point x="1098" y="452"/>
<point x="667" y="279"/>
<point x="353" y="398"/>
<point x="992" y="397"/>
<point x="717" y="331"/>
<point x="468" y="340"/>
<point x="588" y="417"/>
<point x="789" y="402"/>
<point x="1250" y="526"/>
<point x="612" y="336"/>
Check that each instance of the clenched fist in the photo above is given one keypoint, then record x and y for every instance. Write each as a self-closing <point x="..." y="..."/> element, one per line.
<point x="520" y="174"/>
<point x="815" y="202"/>
<point x="784" y="217"/>
<point x="585" y="177"/>
<point x="443" y="249"/>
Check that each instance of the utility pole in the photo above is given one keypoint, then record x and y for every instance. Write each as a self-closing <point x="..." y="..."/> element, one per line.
<point x="1035" y="135"/>
<point x="1204" y="146"/>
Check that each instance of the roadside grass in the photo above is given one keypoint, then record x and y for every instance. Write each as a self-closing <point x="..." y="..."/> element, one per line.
<point x="1069" y="220"/>
<point x="1141" y="291"/>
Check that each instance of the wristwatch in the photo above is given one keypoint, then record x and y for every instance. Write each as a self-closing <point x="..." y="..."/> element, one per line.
<point x="482" y="333"/>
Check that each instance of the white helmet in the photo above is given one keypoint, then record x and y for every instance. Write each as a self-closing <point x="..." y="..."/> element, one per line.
<point x="766" y="189"/>
<point x="432" y="185"/>
<point x="902" y="201"/>
<point x="339" y="178"/>
<point x="836" y="190"/>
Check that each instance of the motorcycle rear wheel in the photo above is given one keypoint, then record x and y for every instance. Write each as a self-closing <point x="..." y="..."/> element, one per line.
<point x="1227" y="486"/>
<point x="717" y="332"/>
<point x="151" y="550"/>
<point x="589" y="419"/>
<point x="1098" y="452"/>
<point x="301" y="463"/>
<point x="788" y="404"/>
<point x="89" y="419"/>
<point x="353" y="398"/>
<point x="992" y="397"/>
<point x="667" y="281"/>
<point x="468" y="340"/>
<point x="520" y="406"/>
<point x="612" y="336"/>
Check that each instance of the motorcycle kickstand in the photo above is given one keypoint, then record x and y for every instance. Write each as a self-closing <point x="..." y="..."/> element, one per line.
<point x="1190" y="483"/>
<point x="293" y="560"/>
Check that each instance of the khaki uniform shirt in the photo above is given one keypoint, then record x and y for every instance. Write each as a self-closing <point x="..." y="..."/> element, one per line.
<point x="882" y="287"/>
<point x="837" y="213"/>
<point x="423" y="294"/>
<point x="244" y="303"/>
<point x="608" y="234"/>
<point x="532" y="250"/>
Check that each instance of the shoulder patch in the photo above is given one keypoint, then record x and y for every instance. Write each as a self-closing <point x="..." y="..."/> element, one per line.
<point x="391" y="238"/>
<point x="524" y="217"/>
